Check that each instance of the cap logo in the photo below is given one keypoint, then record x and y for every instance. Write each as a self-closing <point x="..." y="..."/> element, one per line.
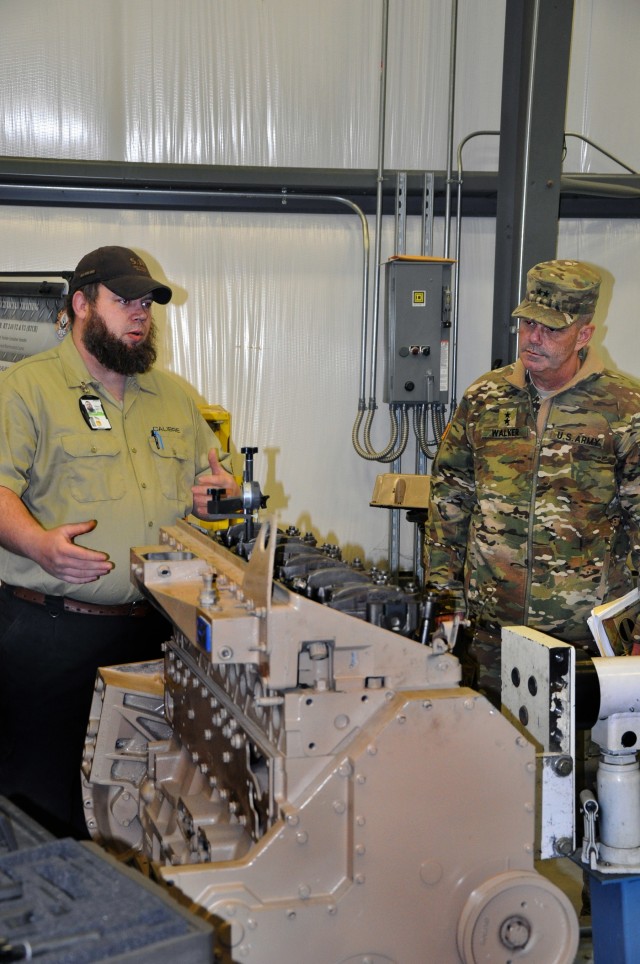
<point x="138" y="265"/>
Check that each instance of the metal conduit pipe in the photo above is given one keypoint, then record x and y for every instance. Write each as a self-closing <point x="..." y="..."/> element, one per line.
<point x="447" y="214"/>
<point x="456" y="283"/>
<point x="390" y="453"/>
<point x="450" y="119"/>
<point x="404" y="436"/>
<point x="367" y="451"/>
<point x="421" y="420"/>
<point x="593" y="144"/>
<point x="285" y="199"/>
<point x="399" y="418"/>
<point x="382" y="110"/>
<point x="420" y="426"/>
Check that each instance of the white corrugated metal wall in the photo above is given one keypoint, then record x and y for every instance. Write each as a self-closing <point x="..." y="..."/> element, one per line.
<point x="267" y="308"/>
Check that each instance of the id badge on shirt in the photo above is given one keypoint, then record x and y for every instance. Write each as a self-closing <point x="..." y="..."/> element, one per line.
<point x="93" y="413"/>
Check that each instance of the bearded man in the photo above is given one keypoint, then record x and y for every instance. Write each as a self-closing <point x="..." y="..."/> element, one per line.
<point x="97" y="452"/>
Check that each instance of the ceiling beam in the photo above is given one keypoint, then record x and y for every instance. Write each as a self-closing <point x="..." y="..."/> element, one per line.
<point x="30" y="181"/>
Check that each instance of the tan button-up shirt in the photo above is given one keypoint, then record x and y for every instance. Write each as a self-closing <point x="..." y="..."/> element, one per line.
<point x="132" y="477"/>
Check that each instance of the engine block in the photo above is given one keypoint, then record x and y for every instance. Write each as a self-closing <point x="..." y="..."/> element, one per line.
<point x="319" y="785"/>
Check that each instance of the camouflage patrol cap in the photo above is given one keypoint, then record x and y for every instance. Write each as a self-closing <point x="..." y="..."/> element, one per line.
<point x="559" y="293"/>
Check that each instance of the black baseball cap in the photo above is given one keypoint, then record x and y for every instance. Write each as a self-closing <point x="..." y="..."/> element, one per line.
<point x="120" y="270"/>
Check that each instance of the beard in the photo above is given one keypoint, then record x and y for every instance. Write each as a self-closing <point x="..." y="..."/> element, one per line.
<point x="114" y="354"/>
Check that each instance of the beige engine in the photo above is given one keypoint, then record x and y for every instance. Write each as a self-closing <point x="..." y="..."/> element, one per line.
<point x="322" y="787"/>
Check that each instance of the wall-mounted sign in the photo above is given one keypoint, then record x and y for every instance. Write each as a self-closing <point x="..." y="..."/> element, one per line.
<point x="32" y="315"/>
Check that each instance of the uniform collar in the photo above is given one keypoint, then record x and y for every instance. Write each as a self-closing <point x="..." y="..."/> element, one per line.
<point x="592" y="364"/>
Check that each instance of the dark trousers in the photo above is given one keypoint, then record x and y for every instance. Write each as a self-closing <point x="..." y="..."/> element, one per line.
<point x="48" y="664"/>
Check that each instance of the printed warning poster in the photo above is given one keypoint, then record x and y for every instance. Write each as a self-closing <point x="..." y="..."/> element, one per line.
<point x="27" y="325"/>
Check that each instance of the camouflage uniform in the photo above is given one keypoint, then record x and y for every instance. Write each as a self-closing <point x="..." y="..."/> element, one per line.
<point x="535" y="505"/>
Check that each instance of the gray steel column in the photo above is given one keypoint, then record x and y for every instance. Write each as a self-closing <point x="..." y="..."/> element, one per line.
<point x="534" y="92"/>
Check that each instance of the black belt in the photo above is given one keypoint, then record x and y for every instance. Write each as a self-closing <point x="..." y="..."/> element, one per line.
<point x="137" y="609"/>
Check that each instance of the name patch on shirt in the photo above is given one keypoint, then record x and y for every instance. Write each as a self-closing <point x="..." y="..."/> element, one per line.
<point x="579" y="439"/>
<point x="506" y="433"/>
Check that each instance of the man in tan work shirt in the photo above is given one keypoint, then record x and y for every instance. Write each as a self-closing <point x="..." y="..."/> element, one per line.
<point x="97" y="452"/>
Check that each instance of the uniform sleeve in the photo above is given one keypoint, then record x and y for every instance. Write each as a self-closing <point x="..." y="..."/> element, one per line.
<point x="17" y="440"/>
<point x="629" y="488"/>
<point x="451" y="503"/>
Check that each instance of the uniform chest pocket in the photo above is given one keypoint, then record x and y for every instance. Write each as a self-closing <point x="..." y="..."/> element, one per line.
<point x="174" y="469"/>
<point x="92" y="467"/>
<point x="503" y="464"/>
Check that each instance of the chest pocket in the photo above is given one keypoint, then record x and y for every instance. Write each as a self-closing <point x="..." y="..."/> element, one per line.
<point x="92" y="469"/>
<point x="174" y="470"/>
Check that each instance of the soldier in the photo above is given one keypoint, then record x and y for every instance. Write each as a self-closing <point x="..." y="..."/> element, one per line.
<point x="535" y="497"/>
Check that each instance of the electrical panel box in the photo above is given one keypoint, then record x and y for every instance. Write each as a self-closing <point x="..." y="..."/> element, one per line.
<point x="418" y="326"/>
